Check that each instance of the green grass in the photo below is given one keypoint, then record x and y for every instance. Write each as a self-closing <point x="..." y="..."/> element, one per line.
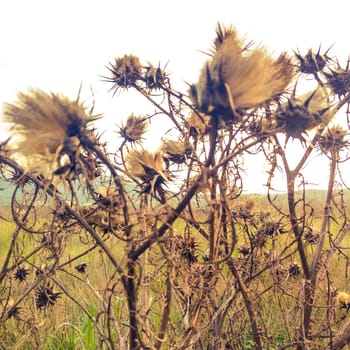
<point x="66" y="336"/>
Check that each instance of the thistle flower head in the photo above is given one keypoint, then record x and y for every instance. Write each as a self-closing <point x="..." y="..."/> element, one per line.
<point x="252" y="79"/>
<point x="270" y="228"/>
<point x="310" y="237"/>
<point x="45" y="296"/>
<point x="299" y="115"/>
<point x="311" y="62"/>
<point x="259" y="239"/>
<point x="47" y="124"/>
<point x="187" y="248"/>
<point x="21" y="274"/>
<point x="224" y="33"/>
<point x="338" y="80"/>
<point x="81" y="267"/>
<point x="14" y="311"/>
<point x="333" y="139"/>
<point x="149" y="168"/>
<point x="198" y="124"/>
<point x="126" y="71"/>
<point x="294" y="269"/>
<point x="244" y="211"/>
<point x="108" y="197"/>
<point x="176" y="151"/>
<point x="155" y="77"/>
<point x="236" y="78"/>
<point x="134" y="128"/>
<point x="244" y="249"/>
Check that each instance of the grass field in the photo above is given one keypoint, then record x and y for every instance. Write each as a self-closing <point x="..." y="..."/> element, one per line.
<point x="78" y="318"/>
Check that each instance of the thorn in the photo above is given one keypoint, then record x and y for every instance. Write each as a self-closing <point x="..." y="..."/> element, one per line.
<point x="308" y="100"/>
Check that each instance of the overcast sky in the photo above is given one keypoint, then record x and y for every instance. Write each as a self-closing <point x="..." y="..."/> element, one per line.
<point x="56" y="45"/>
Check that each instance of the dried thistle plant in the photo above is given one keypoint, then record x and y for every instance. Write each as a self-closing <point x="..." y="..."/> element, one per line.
<point x="294" y="269"/>
<point x="46" y="125"/>
<point x="197" y="267"/>
<point x="186" y="249"/>
<point x="45" y="296"/>
<point x="310" y="237"/>
<point x="106" y="216"/>
<point x="21" y="274"/>
<point x="176" y="151"/>
<point x="14" y="311"/>
<point x="198" y="124"/>
<point x="333" y="139"/>
<point x="134" y="128"/>
<point x="81" y="268"/>
<point x="302" y="114"/>
<point x="149" y="168"/>
<point x="225" y="32"/>
<point x="154" y="77"/>
<point x="311" y="62"/>
<point x="338" y="79"/>
<point x="126" y="71"/>
<point x="244" y="249"/>
<point x="236" y="78"/>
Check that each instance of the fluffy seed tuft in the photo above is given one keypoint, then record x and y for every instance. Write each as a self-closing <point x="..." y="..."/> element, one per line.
<point x="149" y="168"/>
<point x="236" y="78"/>
<point x="47" y="126"/>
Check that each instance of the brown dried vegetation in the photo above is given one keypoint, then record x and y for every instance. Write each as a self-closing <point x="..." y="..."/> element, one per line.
<point x="160" y="250"/>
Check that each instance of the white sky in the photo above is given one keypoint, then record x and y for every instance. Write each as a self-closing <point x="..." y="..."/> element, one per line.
<point x="56" y="45"/>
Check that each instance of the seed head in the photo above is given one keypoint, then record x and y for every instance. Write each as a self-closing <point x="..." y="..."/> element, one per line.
<point x="333" y="139"/>
<point x="259" y="239"/>
<point x="244" y="211"/>
<point x="148" y="167"/>
<point x="108" y="197"/>
<point x="14" y="311"/>
<point x="270" y="228"/>
<point x="187" y="248"/>
<point x="198" y="124"/>
<point x="134" y="129"/>
<point x="312" y="63"/>
<point x="224" y="33"/>
<point x="21" y="274"/>
<point x="310" y="237"/>
<point x="45" y="296"/>
<point x="244" y="249"/>
<point x="126" y="71"/>
<point x="47" y="124"/>
<point x="294" y="269"/>
<point x="176" y="151"/>
<point x="40" y="271"/>
<point x="297" y="116"/>
<point x="338" y="80"/>
<point x="236" y="78"/>
<point x="81" y="267"/>
<point x="155" y="77"/>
